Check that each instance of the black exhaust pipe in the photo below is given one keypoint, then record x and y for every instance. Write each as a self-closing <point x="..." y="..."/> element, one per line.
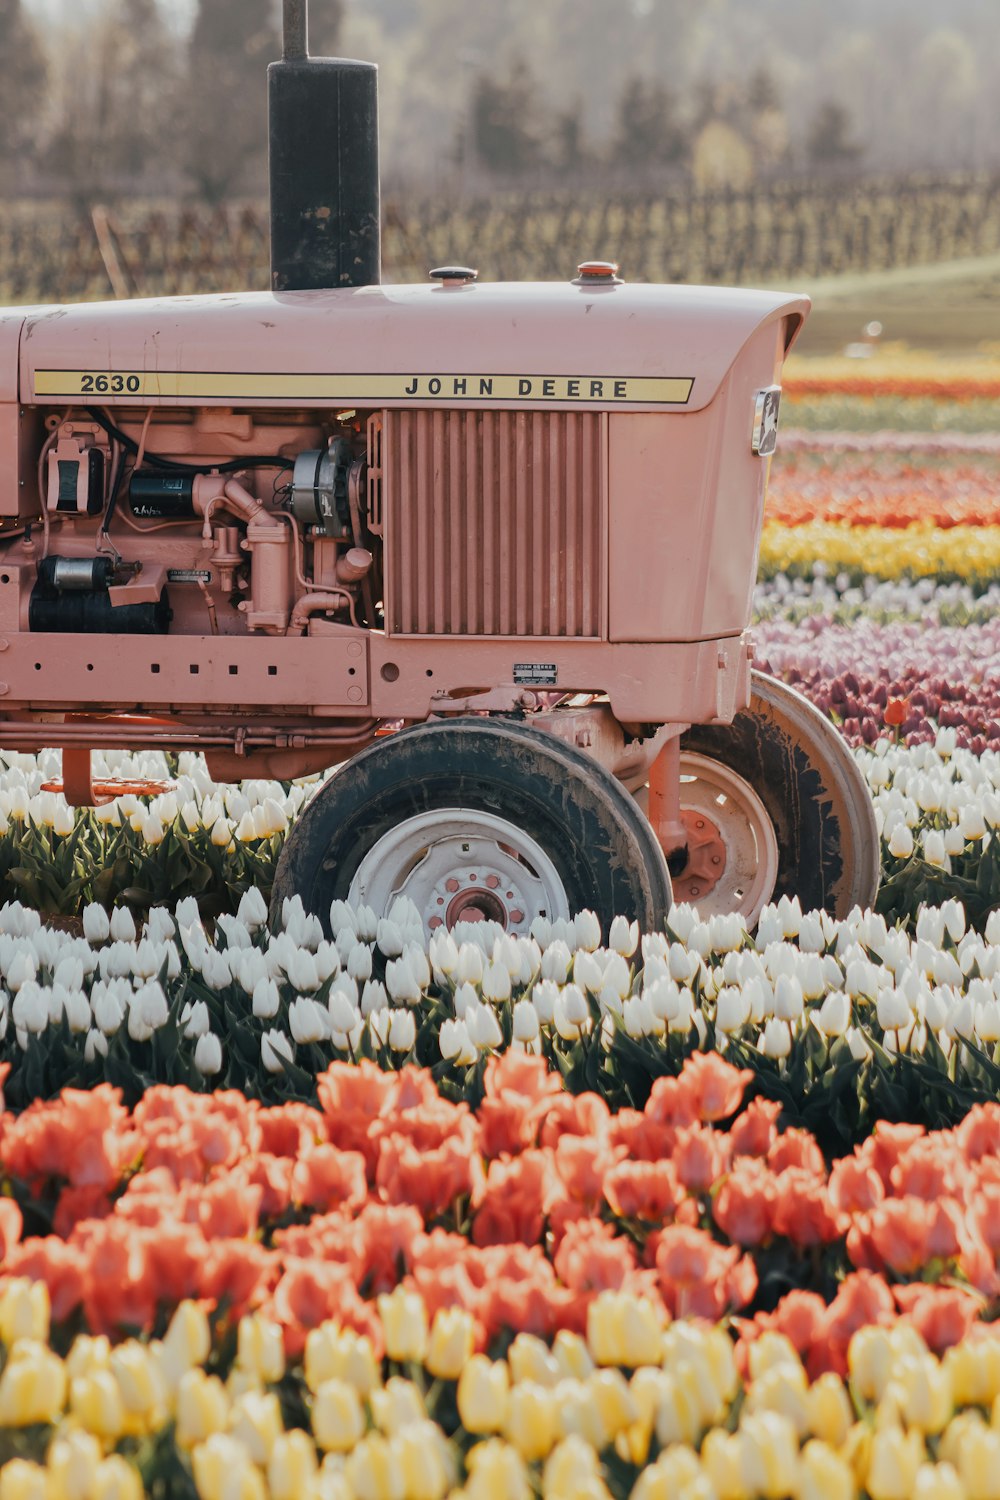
<point x="323" y="164"/>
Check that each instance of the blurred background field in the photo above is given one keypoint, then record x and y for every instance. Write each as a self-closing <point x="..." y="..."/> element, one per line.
<point x="731" y="142"/>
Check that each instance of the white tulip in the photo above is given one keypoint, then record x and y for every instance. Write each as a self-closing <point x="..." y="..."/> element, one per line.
<point x="572" y="1013"/>
<point x="901" y="841"/>
<point x="208" y="1054"/>
<point x="122" y="925"/>
<point x="681" y="921"/>
<point x="496" y="981"/>
<point x="776" y="1040"/>
<point x="788" y="998"/>
<point x="833" y="1017"/>
<point x="389" y="938"/>
<point x="343" y="917"/>
<point x="306" y="1021"/>
<point x="301" y="971"/>
<point x="191" y="816"/>
<point x="400" y="981"/>
<point x="30" y="1010"/>
<point x="373" y="997"/>
<point x="367" y="924"/>
<point x="402" y="1031"/>
<point x="726" y="932"/>
<point x="543" y="999"/>
<point x="688" y="1015"/>
<point x="96" y="1045"/>
<point x="732" y="1009"/>
<point x="215" y="969"/>
<point x="252" y="910"/>
<point x="992" y="930"/>
<point x="587" y="930"/>
<point x="954" y="841"/>
<point x="681" y="963"/>
<point x="556" y="962"/>
<point x="934" y="850"/>
<point x="953" y="913"/>
<point x="265" y="999"/>
<point x="971" y="823"/>
<point x="664" y="999"/>
<point x="483" y="1027"/>
<point x="469" y="969"/>
<point x="587" y="972"/>
<point x="769" y="928"/>
<point x="637" y="1016"/>
<point x="456" y="1044"/>
<point x="525" y="1021"/>
<point x="359" y="963"/>
<point x="276" y="1051"/>
<point x="443" y="952"/>
<point x="195" y="1020"/>
<point x="186" y="912"/>
<point x="859" y="1048"/>
<point x="541" y="931"/>
<point x="988" y="1021"/>
<point x="69" y="972"/>
<point x="108" y="1009"/>
<point x="624" y="936"/>
<point x="700" y="940"/>
<point x="893" y="1010"/>
<point x="327" y="960"/>
<point x="531" y="961"/>
<point x="63" y="820"/>
<point x="21" y="969"/>
<point x="344" y="1014"/>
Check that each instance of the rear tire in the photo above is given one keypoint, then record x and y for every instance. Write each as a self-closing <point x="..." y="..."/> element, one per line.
<point x="475" y="818"/>
<point x="803" y="773"/>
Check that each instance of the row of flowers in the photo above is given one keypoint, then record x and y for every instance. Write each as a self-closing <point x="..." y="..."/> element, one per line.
<point x="637" y="1406"/>
<point x="963" y="552"/>
<point x="940" y="677"/>
<point x="521" y="1213"/>
<point x="317" y="1299"/>
<point x="841" y="600"/>
<point x="795" y="440"/>
<point x="894" y="373"/>
<point x="887" y="492"/>
<point x="857" y="1011"/>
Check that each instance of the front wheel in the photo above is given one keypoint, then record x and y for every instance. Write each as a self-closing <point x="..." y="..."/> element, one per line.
<point x="476" y="819"/>
<point x="778" y="802"/>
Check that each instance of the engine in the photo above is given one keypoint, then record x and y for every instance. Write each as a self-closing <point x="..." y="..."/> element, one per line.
<point x="196" y="522"/>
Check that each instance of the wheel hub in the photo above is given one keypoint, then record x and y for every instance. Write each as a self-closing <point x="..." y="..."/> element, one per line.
<point x="706" y="857"/>
<point x="462" y="865"/>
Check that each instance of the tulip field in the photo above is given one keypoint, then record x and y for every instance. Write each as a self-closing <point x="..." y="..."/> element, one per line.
<point x="337" y="1212"/>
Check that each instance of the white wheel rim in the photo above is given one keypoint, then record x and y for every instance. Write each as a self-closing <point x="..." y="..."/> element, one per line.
<point x="750" y="871"/>
<point x="458" y="864"/>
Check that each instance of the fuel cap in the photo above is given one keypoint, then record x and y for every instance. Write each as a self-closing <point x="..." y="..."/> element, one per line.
<point x="597" y="273"/>
<point x="454" y="275"/>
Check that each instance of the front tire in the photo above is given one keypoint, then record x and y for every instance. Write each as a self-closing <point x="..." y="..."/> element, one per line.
<point x="476" y="819"/>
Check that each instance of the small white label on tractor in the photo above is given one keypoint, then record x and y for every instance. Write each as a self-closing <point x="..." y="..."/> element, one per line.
<point x="536" y="673"/>
<point x="189" y="575"/>
<point x="765" y="421"/>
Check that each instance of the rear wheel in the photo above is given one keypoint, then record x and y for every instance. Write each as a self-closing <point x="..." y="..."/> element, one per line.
<point x="784" y="810"/>
<point x="476" y="819"/>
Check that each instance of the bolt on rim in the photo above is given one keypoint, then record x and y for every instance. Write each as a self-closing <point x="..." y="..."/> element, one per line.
<point x="460" y="865"/>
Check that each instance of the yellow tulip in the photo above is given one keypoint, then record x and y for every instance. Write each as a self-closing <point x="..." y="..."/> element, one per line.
<point x="397" y="1406"/>
<point x="88" y="1354"/>
<point x="451" y="1342"/>
<point x="21" y="1480"/>
<point x="614" y="1400"/>
<point x="892" y="1468"/>
<point x="770" y="1447"/>
<point x="24" y="1311"/>
<point x="292" y="1465"/>
<point x="260" y="1347"/>
<point x="404" y="1323"/>
<point x="978" y="1463"/>
<point x="96" y="1402"/>
<point x="484" y="1394"/>
<point x="141" y="1385"/>
<point x="679" y="1415"/>
<point x="255" y="1422"/>
<point x="722" y="1463"/>
<point x="784" y="1389"/>
<point x="973" y="1367"/>
<point x="374" y="1470"/>
<point x="117" y="1479"/>
<point x="530" y="1358"/>
<point x="224" y="1471"/>
<point x="829" y="1409"/>
<point x="921" y="1389"/>
<point x="32" y="1386"/>
<point x="72" y="1462"/>
<point x="531" y="1425"/>
<point x="935" y="1482"/>
<point x="870" y="1361"/>
<point x="772" y="1350"/>
<point x="570" y="1469"/>
<point x="333" y="1353"/>
<point x="624" y="1330"/>
<point x="202" y="1407"/>
<point x="427" y="1468"/>
<point x="338" y="1420"/>
<point x="571" y="1355"/>
<point x="824" y="1475"/>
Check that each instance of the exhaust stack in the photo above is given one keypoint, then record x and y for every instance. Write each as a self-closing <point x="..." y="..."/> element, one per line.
<point x="323" y="166"/>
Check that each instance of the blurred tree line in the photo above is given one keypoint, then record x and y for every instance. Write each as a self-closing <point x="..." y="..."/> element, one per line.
<point x="100" y="98"/>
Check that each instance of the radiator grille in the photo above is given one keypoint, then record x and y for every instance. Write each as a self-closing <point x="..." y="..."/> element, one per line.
<point x="494" y="522"/>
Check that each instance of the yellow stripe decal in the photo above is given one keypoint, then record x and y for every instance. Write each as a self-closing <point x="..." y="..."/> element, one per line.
<point x="613" y="390"/>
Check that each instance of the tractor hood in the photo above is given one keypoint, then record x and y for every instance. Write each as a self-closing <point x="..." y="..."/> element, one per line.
<point x="532" y="344"/>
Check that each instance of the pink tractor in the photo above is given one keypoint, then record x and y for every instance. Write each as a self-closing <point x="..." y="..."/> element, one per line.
<point x="488" y="549"/>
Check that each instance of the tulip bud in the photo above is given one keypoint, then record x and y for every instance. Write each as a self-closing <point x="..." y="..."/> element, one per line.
<point x="122" y="925"/>
<point x="21" y="1480"/>
<point x="208" y="1055"/>
<point x="95" y="1400"/>
<point x="483" y="1394"/>
<point x="834" y="1015"/>
<point x="450" y="1344"/>
<point x="525" y="1021"/>
<point x="389" y="938"/>
<point x="587" y="930"/>
<point x="404" y="1323"/>
<point x="776" y="1040"/>
<point x="402" y="1031"/>
<point x="456" y="1044"/>
<point x="901" y="841"/>
<point x="32" y="1386"/>
<point x="275" y="1051"/>
<point x="24" y="1311"/>
<point x="338" y="1419"/>
<point x="624" y="936"/>
<point x="305" y="1021"/>
<point x="496" y="981"/>
<point x="483" y="1027"/>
